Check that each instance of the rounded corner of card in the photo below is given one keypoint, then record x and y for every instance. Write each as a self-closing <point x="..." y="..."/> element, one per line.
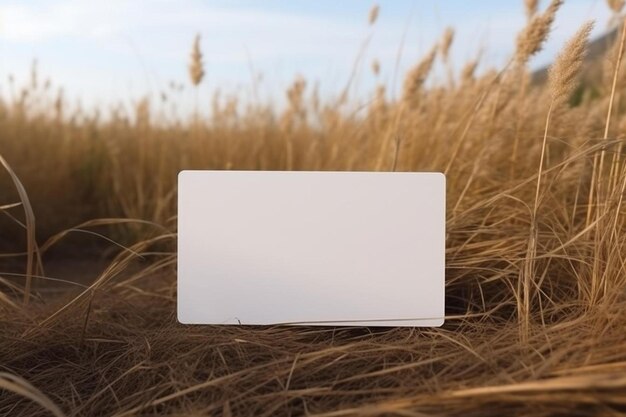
<point x="182" y="318"/>
<point x="182" y="174"/>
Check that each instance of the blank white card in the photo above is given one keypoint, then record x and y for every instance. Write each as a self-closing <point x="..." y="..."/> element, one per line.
<point x="318" y="248"/>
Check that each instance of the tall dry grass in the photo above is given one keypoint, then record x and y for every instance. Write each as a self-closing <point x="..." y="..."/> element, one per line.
<point x="535" y="270"/>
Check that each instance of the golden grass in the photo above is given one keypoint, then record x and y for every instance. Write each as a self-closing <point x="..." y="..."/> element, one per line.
<point x="531" y="7"/>
<point x="531" y="39"/>
<point x="536" y="249"/>
<point x="28" y="225"/>
<point x="196" y="66"/>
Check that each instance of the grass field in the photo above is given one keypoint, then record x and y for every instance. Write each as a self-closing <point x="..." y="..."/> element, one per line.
<point x="536" y="246"/>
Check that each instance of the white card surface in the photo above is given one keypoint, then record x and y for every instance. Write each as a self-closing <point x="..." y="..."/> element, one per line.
<point x="316" y="248"/>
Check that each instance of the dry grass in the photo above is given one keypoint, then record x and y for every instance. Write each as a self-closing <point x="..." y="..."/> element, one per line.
<point x="534" y="321"/>
<point x="196" y="66"/>
<point x="531" y="39"/>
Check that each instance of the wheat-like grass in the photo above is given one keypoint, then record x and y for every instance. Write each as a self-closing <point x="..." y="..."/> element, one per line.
<point x="468" y="70"/>
<point x="531" y="39"/>
<point x="373" y="14"/>
<point x="562" y="74"/>
<point x="535" y="305"/>
<point x="530" y="7"/>
<point x="446" y="42"/>
<point x="615" y="5"/>
<point x="561" y="80"/>
<point x="376" y="67"/>
<point x="416" y="77"/>
<point x="196" y="65"/>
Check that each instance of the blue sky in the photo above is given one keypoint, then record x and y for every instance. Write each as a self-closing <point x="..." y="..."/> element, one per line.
<point x="115" y="50"/>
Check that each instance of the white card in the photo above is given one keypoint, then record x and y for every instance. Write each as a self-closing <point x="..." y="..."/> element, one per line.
<point x="319" y="248"/>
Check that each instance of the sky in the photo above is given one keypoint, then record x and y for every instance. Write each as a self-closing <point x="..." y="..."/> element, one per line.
<point x="104" y="52"/>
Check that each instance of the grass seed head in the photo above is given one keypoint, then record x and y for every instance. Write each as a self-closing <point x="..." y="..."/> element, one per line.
<point x="615" y="5"/>
<point x="196" y="66"/>
<point x="530" y="7"/>
<point x="532" y="37"/>
<point x="376" y="67"/>
<point x="373" y="15"/>
<point x="415" y="78"/>
<point x="446" y="42"/>
<point x="562" y="74"/>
